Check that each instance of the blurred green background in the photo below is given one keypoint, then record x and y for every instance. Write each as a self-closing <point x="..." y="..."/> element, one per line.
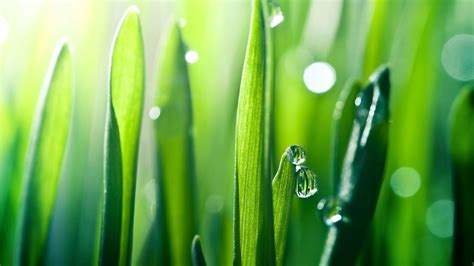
<point x="428" y="45"/>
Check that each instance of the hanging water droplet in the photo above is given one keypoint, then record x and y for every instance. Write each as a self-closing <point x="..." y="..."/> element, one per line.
<point x="191" y="56"/>
<point x="330" y="210"/>
<point x="296" y="154"/>
<point x="154" y="113"/>
<point x="306" y="185"/>
<point x="276" y="15"/>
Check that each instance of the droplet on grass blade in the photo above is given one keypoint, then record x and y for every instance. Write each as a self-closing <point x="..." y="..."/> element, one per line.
<point x="154" y="113"/>
<point x="306" y="185"/>
<point x="191" y="56"/>
<point x="319" y="77"/>
<point x="296" y="154"/>
<point x="276" y="14"/>
<point x="330" y="210"/>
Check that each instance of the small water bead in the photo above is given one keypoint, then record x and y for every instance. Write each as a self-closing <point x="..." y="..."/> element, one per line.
<point x="154" y="113"/>
<point x="182" y="22"/>
<point x="276" y="14"/>
<point x="319" y="77"/>
<point x="330" y="210"/>
<point x="191" y="56"/>
<point x="306" y="185"/>
<point x="296" y="154"/>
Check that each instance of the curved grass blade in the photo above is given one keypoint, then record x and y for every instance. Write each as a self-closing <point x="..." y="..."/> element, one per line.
<point x="253" y="218"/>
<point x="196" y="252"/>
<point x="362" y="172"/>
<point x="343" y="117"/>
<point x="462" y="154"/>
<point x="45" y="157"/>
<point x="283" y="187"/>
<point x="124" y="115"/>
<point x="175" y="149"/>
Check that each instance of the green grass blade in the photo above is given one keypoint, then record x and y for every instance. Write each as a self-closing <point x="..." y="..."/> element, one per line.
<point x="196" y="252"/>
<point x="283" y="187"/>
<point x="343" y="117"/>
<point x="462" y="154"/>
<point x="125" y="105"/>
<point x="362" y="173"/>
<point x="175" y="148"/>
<point x="46" y="152"/>
<point x="253" y="219"/>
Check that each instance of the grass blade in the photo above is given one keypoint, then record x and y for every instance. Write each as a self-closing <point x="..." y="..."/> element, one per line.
<point x="46" y="152"/>
<point x="196" y="252"/>
<point x="462" y="154"/>
<point x="124" y="113"/>
<point x="283" y="187"/>
<point x="253" y="218"/>
<point x="362" y="173"/>
<point x="175" y="148"/>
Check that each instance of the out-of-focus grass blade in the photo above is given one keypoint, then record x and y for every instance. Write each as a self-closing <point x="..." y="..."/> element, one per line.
<point x="124" y="115"/>
<point x="362" y="173"/>
<point x="196" y="252"/>
<point x="343" y="120"/>
<point x="253" y="218"/>
<point x="46" y="152"/>
<point x="175" y="149"/>
<point x="462" y="155"/>
<point x="283" y="187"/>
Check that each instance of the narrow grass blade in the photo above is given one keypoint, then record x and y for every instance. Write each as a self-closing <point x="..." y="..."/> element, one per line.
<point x="462" y="154"/>
<point x="46" y="152"/>
<point x="362" y="173"/>
<point x="124" y="115"/>
<point x="343" y="120"/>
<point x="283" y="186"/>
<point x="175" y="148"/>
<point x="196" y="252"/>
<point x="253" y="218"/>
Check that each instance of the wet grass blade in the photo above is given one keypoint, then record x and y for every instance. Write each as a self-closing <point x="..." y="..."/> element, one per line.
<point x="362" y="173"/>
<point x="462" y="156"/>
<point x="196" y="252"/>
<point x="124" y="115"/>
<point x="283" y="187"/>
<point x="253" y="218"/>
<point x="46" y="152"/>
<point x="175" y="148"/>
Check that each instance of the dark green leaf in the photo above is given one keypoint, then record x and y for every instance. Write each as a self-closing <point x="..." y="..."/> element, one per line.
<point x="196" y="252"/>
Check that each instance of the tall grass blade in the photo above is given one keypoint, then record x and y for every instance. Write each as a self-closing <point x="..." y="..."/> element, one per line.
<point x="124" y="115"/>
<point x="462" y="156"/>
<point x="283" y="187"/>
<point x="362" y="173"/>
<point x="45" y="157"/>
<point x="175" y="149"/>
<point x="196" y="252"/>
<point x="253" y="218"/>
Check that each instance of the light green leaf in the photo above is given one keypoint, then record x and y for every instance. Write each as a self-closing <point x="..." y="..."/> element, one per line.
<point x="253" y="218"/>
<point x="196" y="252"/>
<point x="124" y="115"/>
<point x="362" y="173"/>
<point x="462" y="154"/>
<point x="45" y="157"/>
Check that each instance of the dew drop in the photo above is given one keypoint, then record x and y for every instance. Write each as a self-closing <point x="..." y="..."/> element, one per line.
<point x="3" y="29"/>
<point x="191" y="56"/>
<point x="276" y="14"/>
<point x="182" y="22"/>
<point x="306" y="185"/>
<point x="154" y="113"/>
<point x="296" y="154"/>
<point x="330" y="211"/>
<point x="319" y="77"/>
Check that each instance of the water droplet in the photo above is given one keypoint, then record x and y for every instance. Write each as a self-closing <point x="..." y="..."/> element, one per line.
<point x="191" y="56"/>
<point x="182" y="22"/>
<point x="3" y="29"/>
<point x="276" y="14"/>
<point x="440" y="218"/>
<point x="330" y="210"/>
<point x="457" y="57"/>
<point x="296" y="154"/>
<point x="306" y="185"/>
<point x="358" y="101"/>
<point x="154" y="113"/>
<point x="405" y="182"/>
<point x="319" y="77"/>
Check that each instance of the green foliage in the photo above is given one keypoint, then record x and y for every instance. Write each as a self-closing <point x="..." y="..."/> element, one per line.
<point x="362" y="172"/>
<point x="462" y="156"/>
<point x="124" y="113"/>
<point x="46" y="152"/>
<point x="196" y="252"/>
